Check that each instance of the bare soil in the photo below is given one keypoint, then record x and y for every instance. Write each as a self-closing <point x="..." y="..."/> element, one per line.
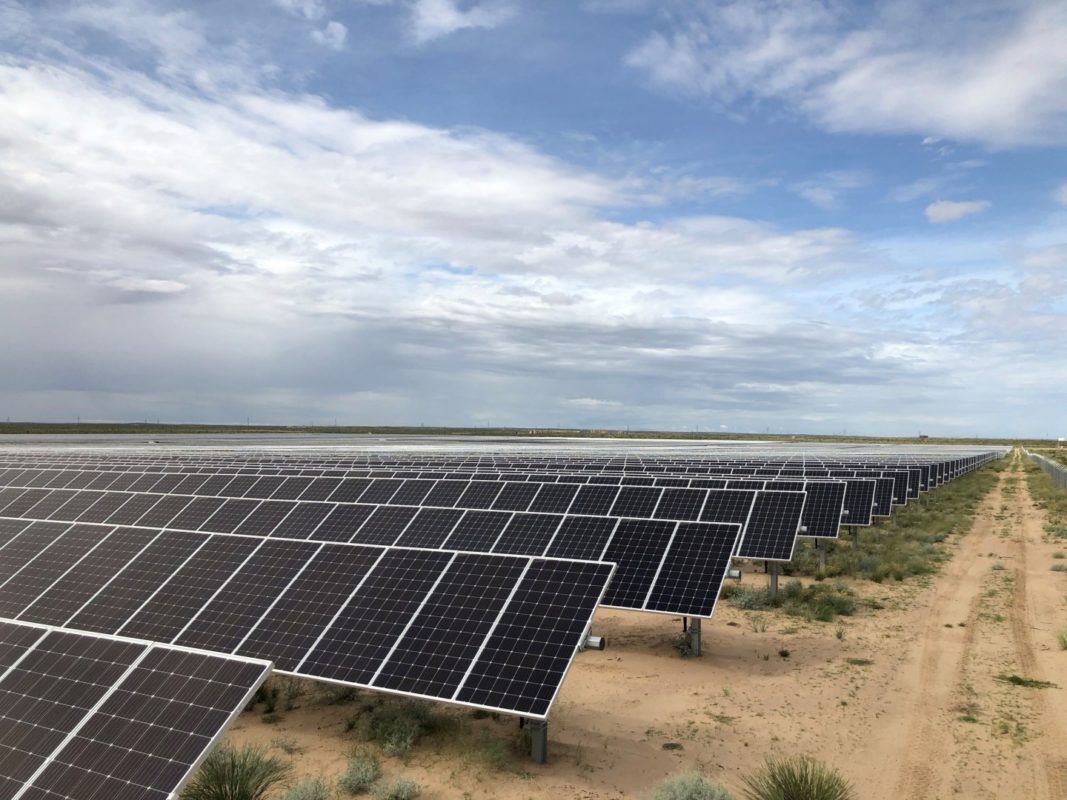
<point x="917" y="713"/>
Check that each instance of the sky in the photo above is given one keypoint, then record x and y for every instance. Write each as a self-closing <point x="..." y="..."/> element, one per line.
<point x="780" y="215"/>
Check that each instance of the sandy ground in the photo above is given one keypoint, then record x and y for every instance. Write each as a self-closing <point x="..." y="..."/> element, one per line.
<point x="918" y="714"/>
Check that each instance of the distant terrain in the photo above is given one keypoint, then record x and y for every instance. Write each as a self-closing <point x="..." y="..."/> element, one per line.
<point x="68" y="428"/>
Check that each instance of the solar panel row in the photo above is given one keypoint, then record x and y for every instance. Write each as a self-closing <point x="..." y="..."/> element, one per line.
<point x="326" y="610"/>
<point x="770" y="522"/>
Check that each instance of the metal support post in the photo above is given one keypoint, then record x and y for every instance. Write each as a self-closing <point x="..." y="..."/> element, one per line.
<point x="774" y="579"/>
<point x="538" y="739"/>
<point x="855" y="535"/>
<point x="820" y="546"/>
<point x="694" y="637"/>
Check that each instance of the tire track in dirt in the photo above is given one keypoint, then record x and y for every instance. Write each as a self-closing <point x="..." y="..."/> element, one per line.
<point x="1022" y="625"/>
<point x="944" y="651"/>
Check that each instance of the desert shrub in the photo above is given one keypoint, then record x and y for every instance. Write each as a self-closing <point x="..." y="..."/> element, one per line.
<point x="338" y="695"/>
<point x="397" y="726"/>
<point x="1059" y="567"/>
<point x="797" y="778"/>
<point x="689" y="786"/>
<point x="230" y="773"/>
<point x="683" y="644"/>
<point x="749" y="598"/>
<point x="361" y="773"/>
<point x="286" y="745"/>
<point x="309" y="789"/>
<point x="822" y="601"/>
<point x="400" y="789"/>
<point x="1061" y="638"/>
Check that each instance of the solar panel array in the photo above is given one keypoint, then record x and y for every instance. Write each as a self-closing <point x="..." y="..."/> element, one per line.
<point x="468" y="578"/>
<point x="86" y="717"/>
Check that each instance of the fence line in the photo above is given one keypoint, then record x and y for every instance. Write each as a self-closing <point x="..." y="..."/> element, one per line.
<point x="1057" y="472"/>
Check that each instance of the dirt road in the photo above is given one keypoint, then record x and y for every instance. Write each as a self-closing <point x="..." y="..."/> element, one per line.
<point x="993" y="611"/>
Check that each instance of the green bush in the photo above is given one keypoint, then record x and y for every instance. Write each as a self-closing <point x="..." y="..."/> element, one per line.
<point x="360" y="774"/>
<point x="797" y="778"/>
<point x="400" y="789"/>
<point x="397" y="726"/>
<point x="309" y="789"/>
<point x="228" y="773"/>
<point x="690" y="786"/>
<point x="821" y="601"/>
<point x="748" y="598"/>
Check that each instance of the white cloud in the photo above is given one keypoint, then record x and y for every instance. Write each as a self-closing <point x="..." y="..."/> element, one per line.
<point x="211" y="249"/>
<point x="591" y="402"/>
<point x="309" y="9"/>
<point x="1060" y="195"/>
<point x="825" y="190"/>
<point x="332" y="36"/>
<point x="950" y="211"/>
<point x="964" y="72"/>
<point x="433" y="19"/>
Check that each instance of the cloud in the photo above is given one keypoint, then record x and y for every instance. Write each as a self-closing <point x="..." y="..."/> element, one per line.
<point x="1060" y="195"/>
<point x="309" y="9"/>
<point x="434" y="19"/>
<point x="332" y="36"/>
<point x="188" y="237"/>
<point x="825" y="190"/>
<point x="970" y="73"/>
<point x="591" y="402"/>
<point x="950" y="211"/>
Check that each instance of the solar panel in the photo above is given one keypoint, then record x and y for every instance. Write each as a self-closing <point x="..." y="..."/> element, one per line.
<point x="771" y="532"/>
<point x="823" y="508"/>
<point x="84" y="717"/>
